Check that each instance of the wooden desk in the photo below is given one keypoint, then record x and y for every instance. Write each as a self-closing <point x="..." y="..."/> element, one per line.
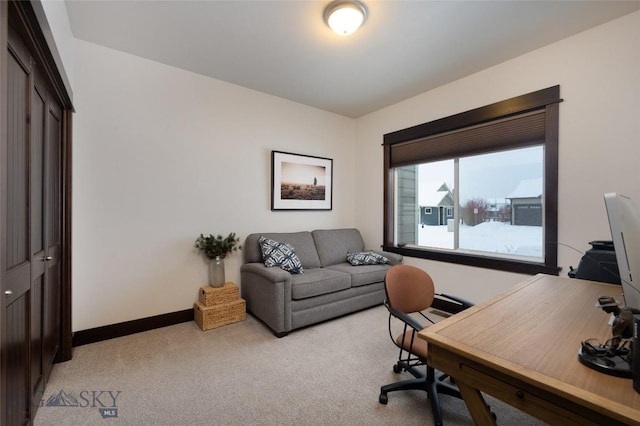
<point x="522" y="348"/>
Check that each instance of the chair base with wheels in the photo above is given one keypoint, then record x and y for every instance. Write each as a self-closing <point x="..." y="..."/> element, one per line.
<point x="409" y="291"/>
<point x="433" y="383"/>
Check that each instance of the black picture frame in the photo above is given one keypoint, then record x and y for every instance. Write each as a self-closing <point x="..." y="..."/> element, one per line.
<point x="301" y="182"/>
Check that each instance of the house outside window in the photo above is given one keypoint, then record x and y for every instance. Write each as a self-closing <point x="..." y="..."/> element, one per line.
<point x="485" y="182"/>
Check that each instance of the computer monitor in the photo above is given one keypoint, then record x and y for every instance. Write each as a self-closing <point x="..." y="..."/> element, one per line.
<point x="624" y="221"/>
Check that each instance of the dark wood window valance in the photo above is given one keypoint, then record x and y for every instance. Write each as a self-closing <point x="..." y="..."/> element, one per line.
<point x="508" y="107"/>
<point x="512" y="132"/>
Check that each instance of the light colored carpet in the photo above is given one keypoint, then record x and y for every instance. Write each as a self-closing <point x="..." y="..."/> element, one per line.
<point x="240" y="374"/>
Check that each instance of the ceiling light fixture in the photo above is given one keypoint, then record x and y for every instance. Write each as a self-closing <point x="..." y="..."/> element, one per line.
<point x="345" y="16"/>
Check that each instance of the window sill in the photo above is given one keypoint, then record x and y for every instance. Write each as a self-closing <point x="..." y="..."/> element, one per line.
<point x="500" y="264"/>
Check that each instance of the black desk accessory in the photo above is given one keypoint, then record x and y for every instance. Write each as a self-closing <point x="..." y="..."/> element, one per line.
<point x="613" y="357"/>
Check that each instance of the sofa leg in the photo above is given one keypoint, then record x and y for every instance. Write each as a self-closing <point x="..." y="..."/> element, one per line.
<point x="281" y="334"/>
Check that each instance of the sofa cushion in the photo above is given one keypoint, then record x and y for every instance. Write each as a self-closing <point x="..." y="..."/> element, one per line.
<point x="333" y="245"/>
<point x="366" y="258"/>
<point x="302" y="242"/>
<point x="363" y="274"/>
<point x="281" y="255"/>
<point x="318" y="281"/>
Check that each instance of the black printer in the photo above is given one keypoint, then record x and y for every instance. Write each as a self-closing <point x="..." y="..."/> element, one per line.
<point x="598" y="264"/>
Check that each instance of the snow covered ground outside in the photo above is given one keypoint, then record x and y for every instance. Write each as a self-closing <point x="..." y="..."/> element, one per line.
<point x="493" y="237"/>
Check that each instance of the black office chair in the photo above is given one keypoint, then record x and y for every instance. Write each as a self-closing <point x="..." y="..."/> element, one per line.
<point x="410" y="290"/>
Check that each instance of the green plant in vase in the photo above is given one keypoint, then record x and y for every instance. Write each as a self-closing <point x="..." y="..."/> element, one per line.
<point x="216" y="249"/>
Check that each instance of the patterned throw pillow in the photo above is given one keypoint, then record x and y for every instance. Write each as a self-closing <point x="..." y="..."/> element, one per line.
<point x="366" y="258"/>
<point x="281" y="255"/>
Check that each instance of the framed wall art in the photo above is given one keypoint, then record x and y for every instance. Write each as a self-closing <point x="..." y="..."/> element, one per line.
<point x="301" y="182"/>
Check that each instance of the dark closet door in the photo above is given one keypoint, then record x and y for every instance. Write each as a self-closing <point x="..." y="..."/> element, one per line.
<point x="32" y="296"/>
<point x="16" y="321"/>
<point x="37" y="223"/>
<point x="46" y="134"/>
<point x="52" y="256"/>
<point x="35" y="211"/>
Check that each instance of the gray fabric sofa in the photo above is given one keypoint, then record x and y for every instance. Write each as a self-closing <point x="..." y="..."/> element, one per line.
<point x="329" y="286"/>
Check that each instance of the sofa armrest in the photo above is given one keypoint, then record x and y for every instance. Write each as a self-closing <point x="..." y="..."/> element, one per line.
<point x="394" y="258"/>
<point x="271" y="274"/>
<point x="267" y="292"/>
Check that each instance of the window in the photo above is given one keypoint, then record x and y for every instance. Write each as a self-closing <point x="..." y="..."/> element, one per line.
<point x="486" y="182"/>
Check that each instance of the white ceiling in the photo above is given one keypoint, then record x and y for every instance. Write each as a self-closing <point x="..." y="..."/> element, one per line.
<point x="284" y="48"/>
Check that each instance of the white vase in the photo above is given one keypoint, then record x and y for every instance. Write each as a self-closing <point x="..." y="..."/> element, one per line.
<point x="216" y="272"/>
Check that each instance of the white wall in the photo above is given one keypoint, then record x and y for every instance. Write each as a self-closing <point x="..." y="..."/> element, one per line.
<point x="162" y="155"/>
<point x="599" y="76"/>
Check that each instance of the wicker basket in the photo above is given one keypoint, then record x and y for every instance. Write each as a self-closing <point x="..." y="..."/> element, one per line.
<point x="208" y="317"/>
<point x="210" y="296"/>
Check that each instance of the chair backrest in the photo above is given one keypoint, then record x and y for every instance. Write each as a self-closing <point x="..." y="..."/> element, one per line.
<point x="409" y="289"/>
